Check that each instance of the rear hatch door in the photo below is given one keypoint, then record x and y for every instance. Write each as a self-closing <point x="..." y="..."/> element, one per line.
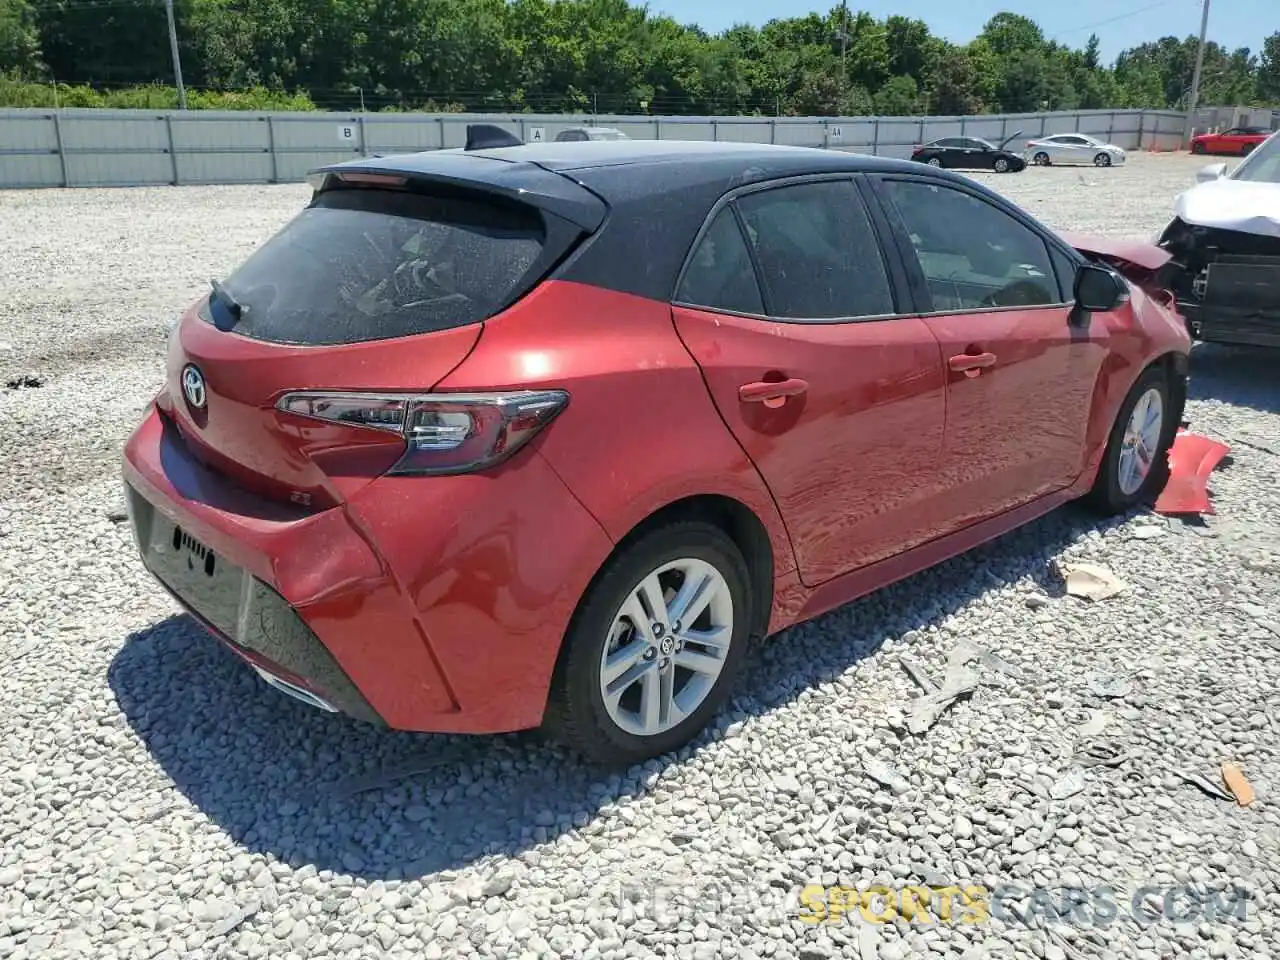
<point x="382" y="284"/>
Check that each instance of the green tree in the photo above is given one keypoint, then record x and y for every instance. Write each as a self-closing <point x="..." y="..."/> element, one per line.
<point x="19" y="40"/>
<point x="953" y="87"/>
<point x="1269" y="69"/>
<point x="108" y="45"/>
<point x="1092" y="58"/>
<point x="556" y="55"/>
<point x="1010" y="33"/>
<point x="900" y="97"/>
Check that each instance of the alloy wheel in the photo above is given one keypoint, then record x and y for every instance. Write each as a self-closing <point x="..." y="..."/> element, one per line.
<point x="935" y="162"/>
<point x="1041" y="159"/>
<point x="1001" y="165"/>
<point x="667" y="646"/>
<point x="1102" y="160"/>
<point x="1141" y="442"/>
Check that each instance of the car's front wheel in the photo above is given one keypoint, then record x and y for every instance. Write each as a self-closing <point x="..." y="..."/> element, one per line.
<point x="1001" y="165"/>
<point x="1102" y="160"/>
<point x="1199" y="148"/>
<point x="654" y="647"/>
<point x="1135" y="467"/>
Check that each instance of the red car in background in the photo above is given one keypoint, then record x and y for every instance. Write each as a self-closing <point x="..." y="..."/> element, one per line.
<point x="493" y="438"/>
<point x="1237" y="142"/>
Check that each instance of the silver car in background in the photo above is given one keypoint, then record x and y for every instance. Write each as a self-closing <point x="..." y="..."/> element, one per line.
<point x="1062" y="148"/>
<point x="590" y="133"/>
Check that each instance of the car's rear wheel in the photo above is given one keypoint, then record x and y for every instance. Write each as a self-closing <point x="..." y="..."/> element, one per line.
<point x="935" y="161"/>
<point x="654" y="647"/>
<point x="1041" y="159"/>
<point x="1135" y="467"/>
<point x="1102" y="160"/>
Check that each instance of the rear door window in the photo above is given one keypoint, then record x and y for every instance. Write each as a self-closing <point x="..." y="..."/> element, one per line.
<point x="720" y="275"/>
<point x="363" y="265"/>
<point x="818" y="254"/>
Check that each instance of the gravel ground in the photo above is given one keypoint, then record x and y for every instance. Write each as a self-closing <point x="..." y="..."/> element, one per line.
<point x="159" y="801"/>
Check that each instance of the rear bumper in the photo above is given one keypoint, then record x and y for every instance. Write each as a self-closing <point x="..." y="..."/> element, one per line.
<point x="430" y="604"/>
<point x="243" y="612"/>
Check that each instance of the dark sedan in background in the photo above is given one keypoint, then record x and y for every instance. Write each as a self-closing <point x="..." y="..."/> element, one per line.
<point x="970" y="153"/>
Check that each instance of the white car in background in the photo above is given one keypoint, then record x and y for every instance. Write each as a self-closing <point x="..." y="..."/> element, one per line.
<point x="1073" y="148"/>
<point x="590" y="133"/>
<point x="1225" y="242"/>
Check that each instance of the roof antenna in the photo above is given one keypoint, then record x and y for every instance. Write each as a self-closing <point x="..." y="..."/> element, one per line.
<point x="487" y="136"/>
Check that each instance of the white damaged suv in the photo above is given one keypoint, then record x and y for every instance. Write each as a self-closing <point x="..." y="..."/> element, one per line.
<point x="1225" y="243"/>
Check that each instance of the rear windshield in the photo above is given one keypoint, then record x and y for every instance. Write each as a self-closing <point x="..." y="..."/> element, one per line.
<point x="364" y="264"/>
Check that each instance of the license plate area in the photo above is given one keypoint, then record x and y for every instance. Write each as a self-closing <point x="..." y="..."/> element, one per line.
<point x="198" y="556"/>
<point x="206" y="582"/>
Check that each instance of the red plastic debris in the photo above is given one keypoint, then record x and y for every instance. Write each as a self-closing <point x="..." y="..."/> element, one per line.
<point x="1191" y="460"/>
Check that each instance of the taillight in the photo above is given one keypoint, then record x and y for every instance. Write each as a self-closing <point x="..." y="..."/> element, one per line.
<point x="1030" y="144"/>
<point x="444" y="433"/>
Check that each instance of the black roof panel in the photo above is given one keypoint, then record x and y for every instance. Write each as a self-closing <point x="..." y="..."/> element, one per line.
<point x="699" y="160"/>
<point x="643" y="201"/>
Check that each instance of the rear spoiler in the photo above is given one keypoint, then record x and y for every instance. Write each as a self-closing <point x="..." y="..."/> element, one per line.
<point x="513" y="179"/>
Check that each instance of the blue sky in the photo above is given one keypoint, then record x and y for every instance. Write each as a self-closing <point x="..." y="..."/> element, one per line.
<point x="1118" y="23"/>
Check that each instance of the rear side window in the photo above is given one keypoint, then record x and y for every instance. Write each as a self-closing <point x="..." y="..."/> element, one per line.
<point x="720" y="275"/>
<point x="363" y="265"/>
<point x="818" y="254"/>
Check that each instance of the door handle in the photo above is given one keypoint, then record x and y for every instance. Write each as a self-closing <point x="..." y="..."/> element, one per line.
<point x="972" y="364"/>
<point x="771" y="394"/>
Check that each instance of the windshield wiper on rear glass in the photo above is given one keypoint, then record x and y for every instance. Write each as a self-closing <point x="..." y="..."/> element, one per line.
<point x="236" y="308"/>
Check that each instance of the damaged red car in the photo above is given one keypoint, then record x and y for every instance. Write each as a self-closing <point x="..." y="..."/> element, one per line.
<point x="546" y="435"/>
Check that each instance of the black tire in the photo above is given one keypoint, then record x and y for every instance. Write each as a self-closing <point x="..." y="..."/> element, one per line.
<point x="1001" y="165"/>
<point x="1102" y="160"/>
<point x="1247" y="149"/>
<point x="1199" y="148"/>
<point x="935" y="162"/>
<point x="1041" y="159"/>
<point x="576" y="714"/>
<point x="1107" y="495"/>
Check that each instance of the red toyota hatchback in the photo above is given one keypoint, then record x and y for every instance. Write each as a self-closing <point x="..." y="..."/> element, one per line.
<point x="489" y="439"/>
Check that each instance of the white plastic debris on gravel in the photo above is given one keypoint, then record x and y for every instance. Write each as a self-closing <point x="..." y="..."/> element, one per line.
<point x="158" y="800"/>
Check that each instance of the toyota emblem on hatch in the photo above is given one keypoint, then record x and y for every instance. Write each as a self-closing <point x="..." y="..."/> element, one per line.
<point x="193" y="386"/>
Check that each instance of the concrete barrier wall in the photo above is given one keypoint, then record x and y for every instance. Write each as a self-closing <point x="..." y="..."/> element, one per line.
<point x="99" y="148"/>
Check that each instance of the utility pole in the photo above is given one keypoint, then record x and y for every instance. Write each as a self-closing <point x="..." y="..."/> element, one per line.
<point x="177" y="60"/>
<point x="1193" y="102"/>
<point x="844" y="42"/>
